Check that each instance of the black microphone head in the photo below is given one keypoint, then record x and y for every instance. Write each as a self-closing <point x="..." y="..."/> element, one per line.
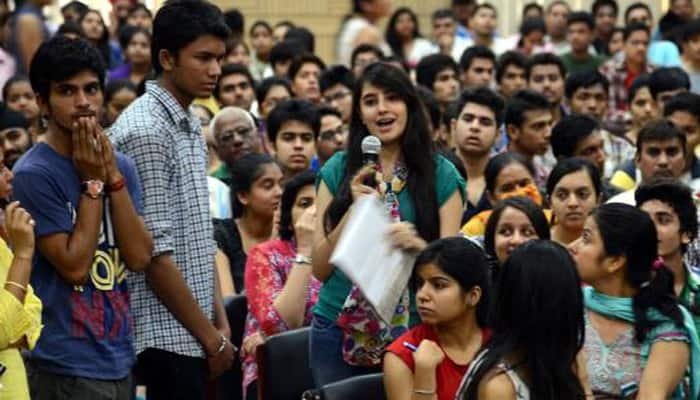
<point x="371" y="145"/>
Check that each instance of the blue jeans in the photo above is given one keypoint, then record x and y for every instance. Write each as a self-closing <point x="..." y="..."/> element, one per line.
<point x="326" y="355"/>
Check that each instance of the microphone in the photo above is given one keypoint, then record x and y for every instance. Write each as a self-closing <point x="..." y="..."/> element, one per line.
<point x="371" y="146"/>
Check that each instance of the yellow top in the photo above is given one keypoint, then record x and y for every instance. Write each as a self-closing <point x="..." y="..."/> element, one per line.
<point x="209" y="103"/>
<point x="622" y="181"/>
<point x="17" y="321"/>
<point x="476" y="226"/>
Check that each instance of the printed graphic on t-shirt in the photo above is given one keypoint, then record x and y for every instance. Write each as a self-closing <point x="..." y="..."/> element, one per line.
<point x="107" y="275"/>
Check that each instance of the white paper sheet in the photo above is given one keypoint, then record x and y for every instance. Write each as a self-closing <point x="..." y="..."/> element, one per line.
<point x="367" y="258"/>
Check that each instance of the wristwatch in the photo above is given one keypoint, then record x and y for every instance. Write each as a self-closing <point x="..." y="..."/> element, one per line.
<point x="302" y="259"/>
<point x="94" y="188"/>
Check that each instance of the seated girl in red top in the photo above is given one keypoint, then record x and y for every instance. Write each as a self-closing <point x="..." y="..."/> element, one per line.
<point x="429" y="361"/>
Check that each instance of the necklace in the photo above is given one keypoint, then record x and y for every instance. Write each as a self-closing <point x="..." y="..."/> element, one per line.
<point x="389" y="190"/>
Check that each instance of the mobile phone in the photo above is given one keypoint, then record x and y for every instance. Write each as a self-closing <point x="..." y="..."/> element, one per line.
<point x="5" y="201"/>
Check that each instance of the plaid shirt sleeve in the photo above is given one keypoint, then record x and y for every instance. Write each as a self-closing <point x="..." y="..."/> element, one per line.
<point x="151" y="159"/>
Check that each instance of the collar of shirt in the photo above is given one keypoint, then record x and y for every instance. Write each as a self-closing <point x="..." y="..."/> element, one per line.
<point x="180" y="117"/>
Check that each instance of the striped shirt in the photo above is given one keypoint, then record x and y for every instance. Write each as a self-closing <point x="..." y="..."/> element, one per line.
<point x="167" y="145"/>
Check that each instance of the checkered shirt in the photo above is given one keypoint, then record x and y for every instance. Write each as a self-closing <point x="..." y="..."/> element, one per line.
<point x="167" y="145"/>
<point x="615" y="69"/>
<point x="618" y="151"/>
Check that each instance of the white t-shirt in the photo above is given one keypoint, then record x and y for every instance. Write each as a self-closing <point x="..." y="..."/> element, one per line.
<point x="421" y="48"/>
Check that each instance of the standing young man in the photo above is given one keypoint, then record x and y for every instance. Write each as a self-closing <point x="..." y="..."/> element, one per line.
<point x="181" y="326"/>
<point x="86" y="201"/>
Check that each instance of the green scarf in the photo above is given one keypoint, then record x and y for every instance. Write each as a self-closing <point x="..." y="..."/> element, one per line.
<point x="621" y="308"/>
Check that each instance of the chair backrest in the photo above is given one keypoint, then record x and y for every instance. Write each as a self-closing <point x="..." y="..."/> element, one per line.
<point x="236" y="311"/>
<point x="229" y="384"/>
<point x="283" y="366"/>
<point x="365" y="387"/>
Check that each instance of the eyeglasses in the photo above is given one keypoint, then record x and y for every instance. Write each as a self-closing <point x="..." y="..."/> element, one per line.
<point x="337" y="96"/>
<point x="331" y="134"/>
<point x="228" y="136"/>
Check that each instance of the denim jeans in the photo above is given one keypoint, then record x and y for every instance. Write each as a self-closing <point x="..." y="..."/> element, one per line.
<point x="326" y="355"/>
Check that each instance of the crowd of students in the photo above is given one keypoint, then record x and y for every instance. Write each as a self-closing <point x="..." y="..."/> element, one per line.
<point x="545" y="182"/>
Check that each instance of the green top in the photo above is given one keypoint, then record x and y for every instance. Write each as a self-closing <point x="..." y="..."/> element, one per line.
<point x="690" y="297"/>
<point x="223" y="174"/>
<point x="337" y="287"/>
<point x="574" y="65"/>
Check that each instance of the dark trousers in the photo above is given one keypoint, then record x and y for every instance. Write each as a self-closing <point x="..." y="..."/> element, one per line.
<point x="251" y="392"/>
<point x="48" y="386"/>
<point x="170" y="376"/>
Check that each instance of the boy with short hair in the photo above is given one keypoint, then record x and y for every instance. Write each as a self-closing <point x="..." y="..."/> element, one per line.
<point x="292" y="129"/>
<point x="86" y="201"/>
<point x="670" y="205"/>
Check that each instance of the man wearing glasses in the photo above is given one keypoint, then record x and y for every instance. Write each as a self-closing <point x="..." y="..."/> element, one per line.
<point x="235" y="135"/>
<point x="336" y="90"/>
<point x="332" y="136"/>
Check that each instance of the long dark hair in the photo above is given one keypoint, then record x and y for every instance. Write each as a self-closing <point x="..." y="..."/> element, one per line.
<point x="630" y="232"/>
<point x="449" y="255"/>
<point x="537" y="312"/>
<point x="102" y="43"/>
<point x="392" y="37"/>
<point x="570" y="166"/>
<point x="532" y="211"/>
<point x="416" y="147"/>
<point x="289" y="197"/>
<point x="498" y="163"/>
<point x="244" y="172"/>
<point x="524" y="204"/>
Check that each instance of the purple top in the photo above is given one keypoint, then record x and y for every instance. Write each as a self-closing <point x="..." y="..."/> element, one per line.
<point x="121" y="72"/>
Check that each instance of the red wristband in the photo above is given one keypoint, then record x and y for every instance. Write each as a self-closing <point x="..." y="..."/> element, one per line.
<point x="116" y="186"/>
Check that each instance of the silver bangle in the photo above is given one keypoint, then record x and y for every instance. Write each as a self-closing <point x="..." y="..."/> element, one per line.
<point x="302" y="259"/>
<point x="424" y="392"/>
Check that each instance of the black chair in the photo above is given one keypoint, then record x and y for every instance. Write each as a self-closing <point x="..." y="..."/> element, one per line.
<point x="229" y="384"/>
<point x="365" y="387"/>
<point x="283" y="366"/>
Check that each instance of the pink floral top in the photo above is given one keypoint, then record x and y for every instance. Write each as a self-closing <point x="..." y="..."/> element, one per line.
<point x="266" y="272"/>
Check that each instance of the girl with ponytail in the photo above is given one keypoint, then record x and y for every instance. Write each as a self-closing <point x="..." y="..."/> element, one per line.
<point x="639" y="342"/>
